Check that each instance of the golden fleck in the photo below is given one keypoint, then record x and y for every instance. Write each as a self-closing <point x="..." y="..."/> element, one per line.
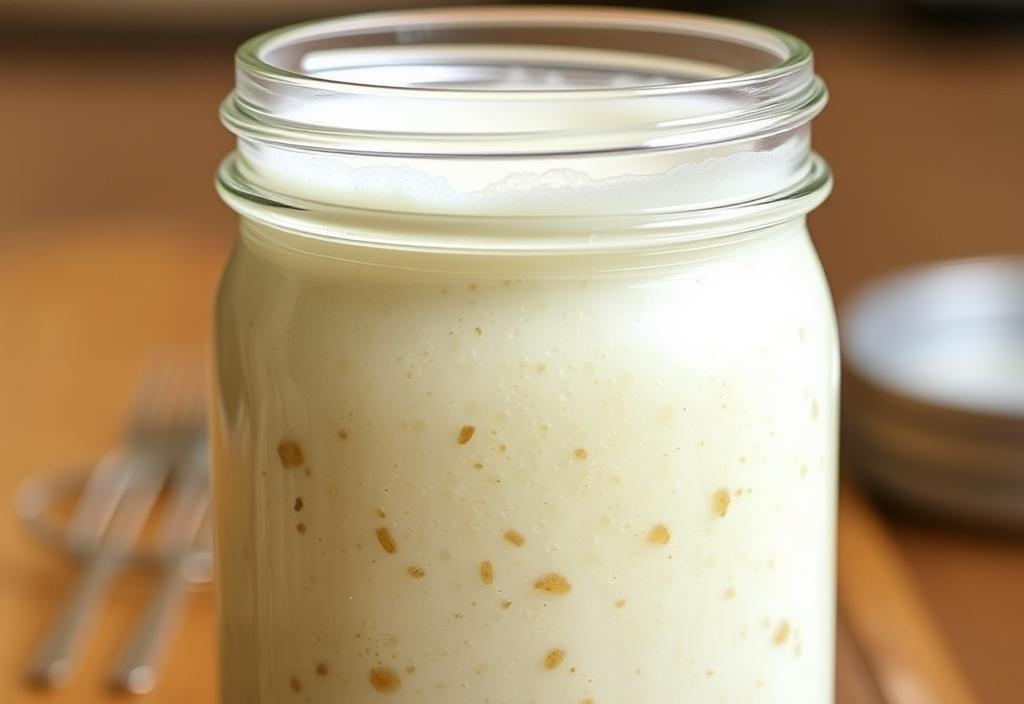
<point x="554" y="658"/>
<point x="721" y="502"/>
<point x="620" y="603"/>
<point x="514" y="537"/>
<point x="486" y="572"/>
<point x="473" y="287"/>
<point x="386" y="540"/>
<point x="659" y="535"/>
<point x="781" y="633"/>
<point x="803" y="470"/>
<point x="588" y="700"/>
<point x="321" y="669"/>
<point x="301" y="527"/>
<point x="580" y="453"/>
<point x="478" y="466"/>
<point x="466" y="434"/>
<point x="343" y="434"/>
<point x="290" y="453"/>
<point x="730" y="593"/>
<point x="384" y="679"/>
<point x="410" y="669"/>
<point x="380" y="512"/>
<point x="298" y="503"/>
<point x="415" y="572"/>
<point x="541" y="368"/>
<point x="502" y="447"/>
<point x="307" y="471"/>
<point x="295" y="684"/>
<point x="709" y="672"/>
<point x="553" y="583"/>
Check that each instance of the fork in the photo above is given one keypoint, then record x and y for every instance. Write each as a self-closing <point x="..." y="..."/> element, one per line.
<point x="117" y="501"/>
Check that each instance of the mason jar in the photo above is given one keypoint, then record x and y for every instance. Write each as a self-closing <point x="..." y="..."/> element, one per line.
<point x="526" y="368"/>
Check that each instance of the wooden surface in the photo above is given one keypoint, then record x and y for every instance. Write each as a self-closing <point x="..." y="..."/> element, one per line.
<point x="905" y="656"/>
<point x="111" y="239"/>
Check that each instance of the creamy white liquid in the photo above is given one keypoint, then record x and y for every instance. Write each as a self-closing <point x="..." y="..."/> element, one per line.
<point x="717" y="380"/>
<point x="484" y="479"/>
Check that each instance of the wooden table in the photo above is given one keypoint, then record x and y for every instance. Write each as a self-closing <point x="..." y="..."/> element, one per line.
<point x="111" y="240"/>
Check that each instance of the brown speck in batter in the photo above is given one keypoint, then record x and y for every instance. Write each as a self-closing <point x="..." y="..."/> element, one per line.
<point x="514" y="537"/>
<point x="410" y="669"/>
<point x="781" y="634"/>
<point x="321" y="669"/>
<point x="553" y="583"/>
<point x="486" y="572"/>
<point x="290" y="453"/>
<point x="466" y="434"/>
<point x="659" y="535"/>
<point x="343" y="434"/>
<point x="301" y="527"/>
<point x="477" y="330"/>
<point x="620" y="603"/>
<point x="298" y="503"/>
<point x="554" y="658"/>
<point x="380" y="513"/>
<point x="580" y="453"/>
<point x="384" y="679"/>
<point x="730" y="593"/>
<point x="386" y="541"/>
<point x="478" y="466"/>
<point x="415" y="572"/>
<point x="720" y="502"/>
<point x="295" y="684"/>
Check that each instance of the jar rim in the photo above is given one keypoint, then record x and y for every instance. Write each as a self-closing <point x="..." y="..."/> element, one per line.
<point x="774" y="88"/>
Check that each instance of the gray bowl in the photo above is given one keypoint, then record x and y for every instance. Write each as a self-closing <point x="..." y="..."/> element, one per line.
<point x="933" y="412"/>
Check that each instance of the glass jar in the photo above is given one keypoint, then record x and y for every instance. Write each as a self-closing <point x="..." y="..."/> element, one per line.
<point x="526" y="368"/>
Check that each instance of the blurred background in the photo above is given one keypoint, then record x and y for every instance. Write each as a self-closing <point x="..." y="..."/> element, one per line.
<point x="112" y="238"/>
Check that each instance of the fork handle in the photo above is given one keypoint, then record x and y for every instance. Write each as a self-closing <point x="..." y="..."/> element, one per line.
<point x="137" y="666"/>
<point x="136" y="669"/>
<point x="53" y="662"/>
